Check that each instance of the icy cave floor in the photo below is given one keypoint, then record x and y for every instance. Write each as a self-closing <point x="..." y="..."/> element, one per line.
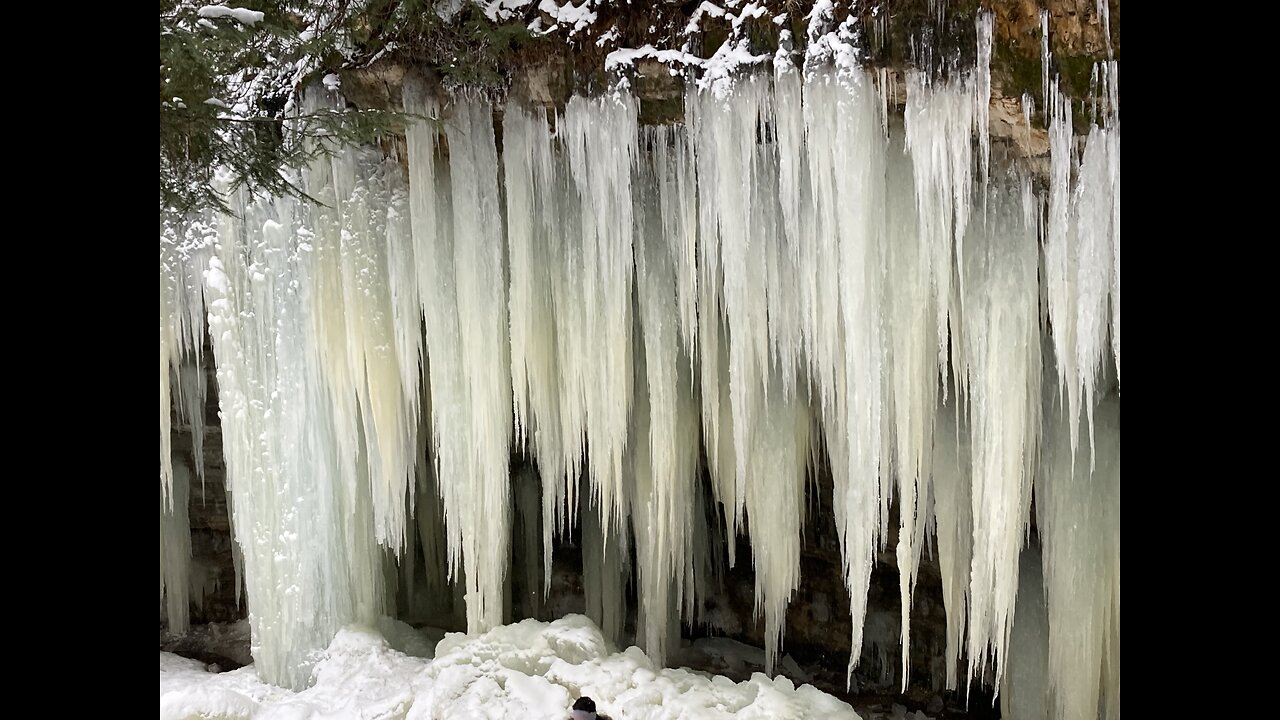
<point x="529" y="670"/>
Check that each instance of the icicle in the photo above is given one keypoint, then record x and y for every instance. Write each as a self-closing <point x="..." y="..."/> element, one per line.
<point x="845" y="151"/>
<point x="982" y="91"/>
<point x="913" y="377"/>
<point x="1002" y="348"/>
<point x="175" y="549"/>
<point x="1044" y="60"/>
<point x="1095" y="260"/>
<point x="1080" y="257"/>
<point x="1060" y="255"/>
<point x="664" y="438"/>
<point x="726" y="132"/>
<point x="1113" y="168"/>
<point x="168" y="353"/>
<point x="372" y="335"/>
<point x="790" y="279"/>
<point x="479" y="270"/>
<point x="310" y="560"/>
<point x="1024" y="692"/>
<point x="462" y="285"/>
<point x="573" y="337"/>
<point x="600" y="136"/>
<point x="406" y="310"/>
<point x="673" y="157"/>
<point x="775" y="479"/>
<point x="788" y="123"/>
<point x="1028" y="109"/>
<point x="938" y="121"/>
<point x="717" y="419"/>
<point x="535" y="249"/>
<point x="433" y="255"/>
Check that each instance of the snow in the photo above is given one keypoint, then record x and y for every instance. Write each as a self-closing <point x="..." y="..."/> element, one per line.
<point x="241" y="15"/>
<point x="577" y="17"/>
<point x="332" y="82"/>
<point x="503" y="10"/>
<point x="530" y="669"/>
<point x="628" y="56"/>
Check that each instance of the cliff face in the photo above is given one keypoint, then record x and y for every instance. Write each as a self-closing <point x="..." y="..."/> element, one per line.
<point x="657" y="50"/>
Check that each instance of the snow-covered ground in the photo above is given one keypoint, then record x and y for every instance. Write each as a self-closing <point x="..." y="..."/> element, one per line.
<point x="530" y="670"/>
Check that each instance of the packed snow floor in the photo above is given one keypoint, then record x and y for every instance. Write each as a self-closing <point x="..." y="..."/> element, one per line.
<point x="530" y="670"/>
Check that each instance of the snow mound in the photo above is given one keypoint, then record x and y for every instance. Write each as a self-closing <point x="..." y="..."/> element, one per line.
<point x="530" y="670"/>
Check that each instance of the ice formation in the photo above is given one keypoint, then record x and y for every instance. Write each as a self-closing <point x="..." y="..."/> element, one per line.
<point x="790" y="283"/>
<point x="1078" y="509"/>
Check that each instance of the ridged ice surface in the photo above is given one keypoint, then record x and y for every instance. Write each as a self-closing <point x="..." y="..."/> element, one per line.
<point x="1024" y="692"/>
<point x="175" y="550"/>
<point x="1079" y="523"/>
<point x="791" y="283"/>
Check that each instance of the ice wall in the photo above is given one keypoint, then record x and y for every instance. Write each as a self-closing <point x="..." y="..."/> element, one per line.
<point x="792" y="283"/>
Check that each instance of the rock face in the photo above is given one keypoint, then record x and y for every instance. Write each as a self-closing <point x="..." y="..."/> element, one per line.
<point x="213" y="576"/>
<point x="547" y="70"/>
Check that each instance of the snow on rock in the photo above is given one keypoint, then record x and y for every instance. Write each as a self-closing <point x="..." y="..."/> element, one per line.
<point x="531" y="670"/>
<point x="576" y="17"/>
<point x="627" y="56"/>
<point x="503" y="10"/>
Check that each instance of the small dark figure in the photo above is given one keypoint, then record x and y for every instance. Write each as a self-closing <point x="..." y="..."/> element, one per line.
<point x="585" y="709"/>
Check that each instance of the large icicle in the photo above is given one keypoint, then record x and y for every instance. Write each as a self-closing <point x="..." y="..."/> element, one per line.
<point x="913" y="377"/>
<point x="775" y="479"/>
<point x="846" y="159"/>
<point x="373" y="227"/>
<point x="479" y="277"/>
<point x="311" y="564"/>
<point x="665" y="437"/>
<point x="536" y="251"/>
<point x="460" y="256"/>
<point x="1093" y="210"/>
<point x="1001" y="343"/>
<point x="1081" y="252"/>
<point x="713" y="363"/>
<point x="938" y="120"/>
<point x="601" y="136"/>
<point x="678" y="208"/>
<point x="726" y="135"/>
<point x="982" y="91"/>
